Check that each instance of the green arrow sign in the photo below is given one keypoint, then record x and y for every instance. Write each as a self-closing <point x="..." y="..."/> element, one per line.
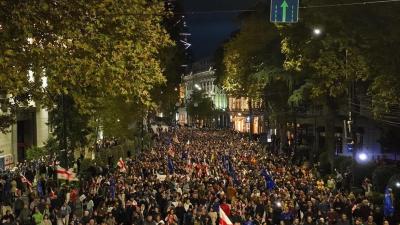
<point x="284" y="11"/>
<point x="284" y="7"/>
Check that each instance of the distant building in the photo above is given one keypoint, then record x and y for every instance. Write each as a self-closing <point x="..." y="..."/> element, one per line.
<point x="203" y="79"/>
<point x="31" y="129"/>
<point x="240" y="115"/>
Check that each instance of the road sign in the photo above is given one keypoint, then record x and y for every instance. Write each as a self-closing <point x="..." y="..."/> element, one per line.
<point x="284" y="11"/>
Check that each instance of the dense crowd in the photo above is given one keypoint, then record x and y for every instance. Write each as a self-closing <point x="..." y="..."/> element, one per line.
<point x="185" y="179"/>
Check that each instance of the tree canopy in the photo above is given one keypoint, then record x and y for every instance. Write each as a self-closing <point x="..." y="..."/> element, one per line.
<point x="87" y="50"/>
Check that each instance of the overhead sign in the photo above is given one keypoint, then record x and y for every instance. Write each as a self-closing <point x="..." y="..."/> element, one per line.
<point x="284" y="11"/>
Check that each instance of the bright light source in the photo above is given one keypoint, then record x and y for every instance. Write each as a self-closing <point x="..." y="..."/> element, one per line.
<point x="398" y="184"/>
<point x="362" y="156"/>
<point x="278" y="204"/>
<point x="197" y="86"/>
<point x="239" y="114"/>
<point x="317" y="31"/>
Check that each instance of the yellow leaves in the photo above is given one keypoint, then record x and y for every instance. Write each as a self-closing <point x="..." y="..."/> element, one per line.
<point x="90" y="49"/>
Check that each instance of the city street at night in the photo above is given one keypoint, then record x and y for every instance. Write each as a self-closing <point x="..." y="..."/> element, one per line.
<point x="199" y="112"/>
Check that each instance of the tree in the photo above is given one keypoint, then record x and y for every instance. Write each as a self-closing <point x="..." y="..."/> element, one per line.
<point x="120" y="118"/>
<point x="71" y="128"/>
<point x="200" y="106"/>
<point x="166" y="95"/>
<point x="251" y="66"/>
<point x="87" y="50"/>
<point x="327" y="64"/>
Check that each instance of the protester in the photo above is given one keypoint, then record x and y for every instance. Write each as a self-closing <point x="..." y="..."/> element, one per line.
<point x="188" y="178"/>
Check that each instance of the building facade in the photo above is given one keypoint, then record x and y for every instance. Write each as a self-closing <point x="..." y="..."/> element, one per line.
<point x="30" y="130"/>
<point x="204" y="80"/>
<point x="240" y="115"/>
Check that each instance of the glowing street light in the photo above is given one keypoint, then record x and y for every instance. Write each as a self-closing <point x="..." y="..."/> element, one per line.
<point x="317" y="31"/>
<point x="363" y="157"/>
<point x="398" y="184"/>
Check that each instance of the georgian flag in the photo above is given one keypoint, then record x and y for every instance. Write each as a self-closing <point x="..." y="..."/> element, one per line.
<point x="223" y="218"/>
<point x="121" y="165"/>
<point x="64" y="174"/>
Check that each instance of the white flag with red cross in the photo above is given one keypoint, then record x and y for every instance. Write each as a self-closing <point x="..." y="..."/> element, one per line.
<point x="121" y="165"/>
<point x="64" y="174"/>
<point x="223" y="218"/>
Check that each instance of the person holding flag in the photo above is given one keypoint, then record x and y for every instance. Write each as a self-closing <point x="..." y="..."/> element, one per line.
<point x="223" y="217"/>
<point x="64" y="174"/>
<point x="269" y="182"/>
<point x="121" y="165"/>
<point x="25" y="181"/>
<point x="388" y="207"/>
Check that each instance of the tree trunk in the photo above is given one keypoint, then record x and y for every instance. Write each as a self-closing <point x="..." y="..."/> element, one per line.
<point x="330" y="119"/>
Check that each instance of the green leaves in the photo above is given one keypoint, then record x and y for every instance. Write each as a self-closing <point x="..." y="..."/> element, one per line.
<point x="200" y="106"/>
<point x="350" y="49"/>
<point x="88" y="50"/>
<point x="247" y="54"/>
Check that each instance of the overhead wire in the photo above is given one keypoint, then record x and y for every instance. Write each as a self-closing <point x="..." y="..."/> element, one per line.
<point x="234" y="11"/>
<point x="348" y="4"/>
<point x="364" y="3"/>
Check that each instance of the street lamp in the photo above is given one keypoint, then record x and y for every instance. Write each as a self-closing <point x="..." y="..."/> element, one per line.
<point x="362" y="156"/>
<point x="317" y="31"/>
<point x="398" y="184"/>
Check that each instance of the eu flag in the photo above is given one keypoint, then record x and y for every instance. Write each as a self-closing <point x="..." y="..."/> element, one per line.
<point x="388" y="209"/>
<point x="112" y="188"/>
<point x="269" y="182"/>
<point x="170" y="166"/>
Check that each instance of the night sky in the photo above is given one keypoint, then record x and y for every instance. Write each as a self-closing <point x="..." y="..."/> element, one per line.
<point x="211" y="29"/>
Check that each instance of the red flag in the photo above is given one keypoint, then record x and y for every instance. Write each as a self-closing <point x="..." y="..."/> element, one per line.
<point x="121" y="165"/>
<point x="223" y="218"/>
<point x="64" y="174"/>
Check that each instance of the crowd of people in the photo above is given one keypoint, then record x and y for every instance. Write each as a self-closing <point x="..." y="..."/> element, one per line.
<point x="186" y="179"/>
